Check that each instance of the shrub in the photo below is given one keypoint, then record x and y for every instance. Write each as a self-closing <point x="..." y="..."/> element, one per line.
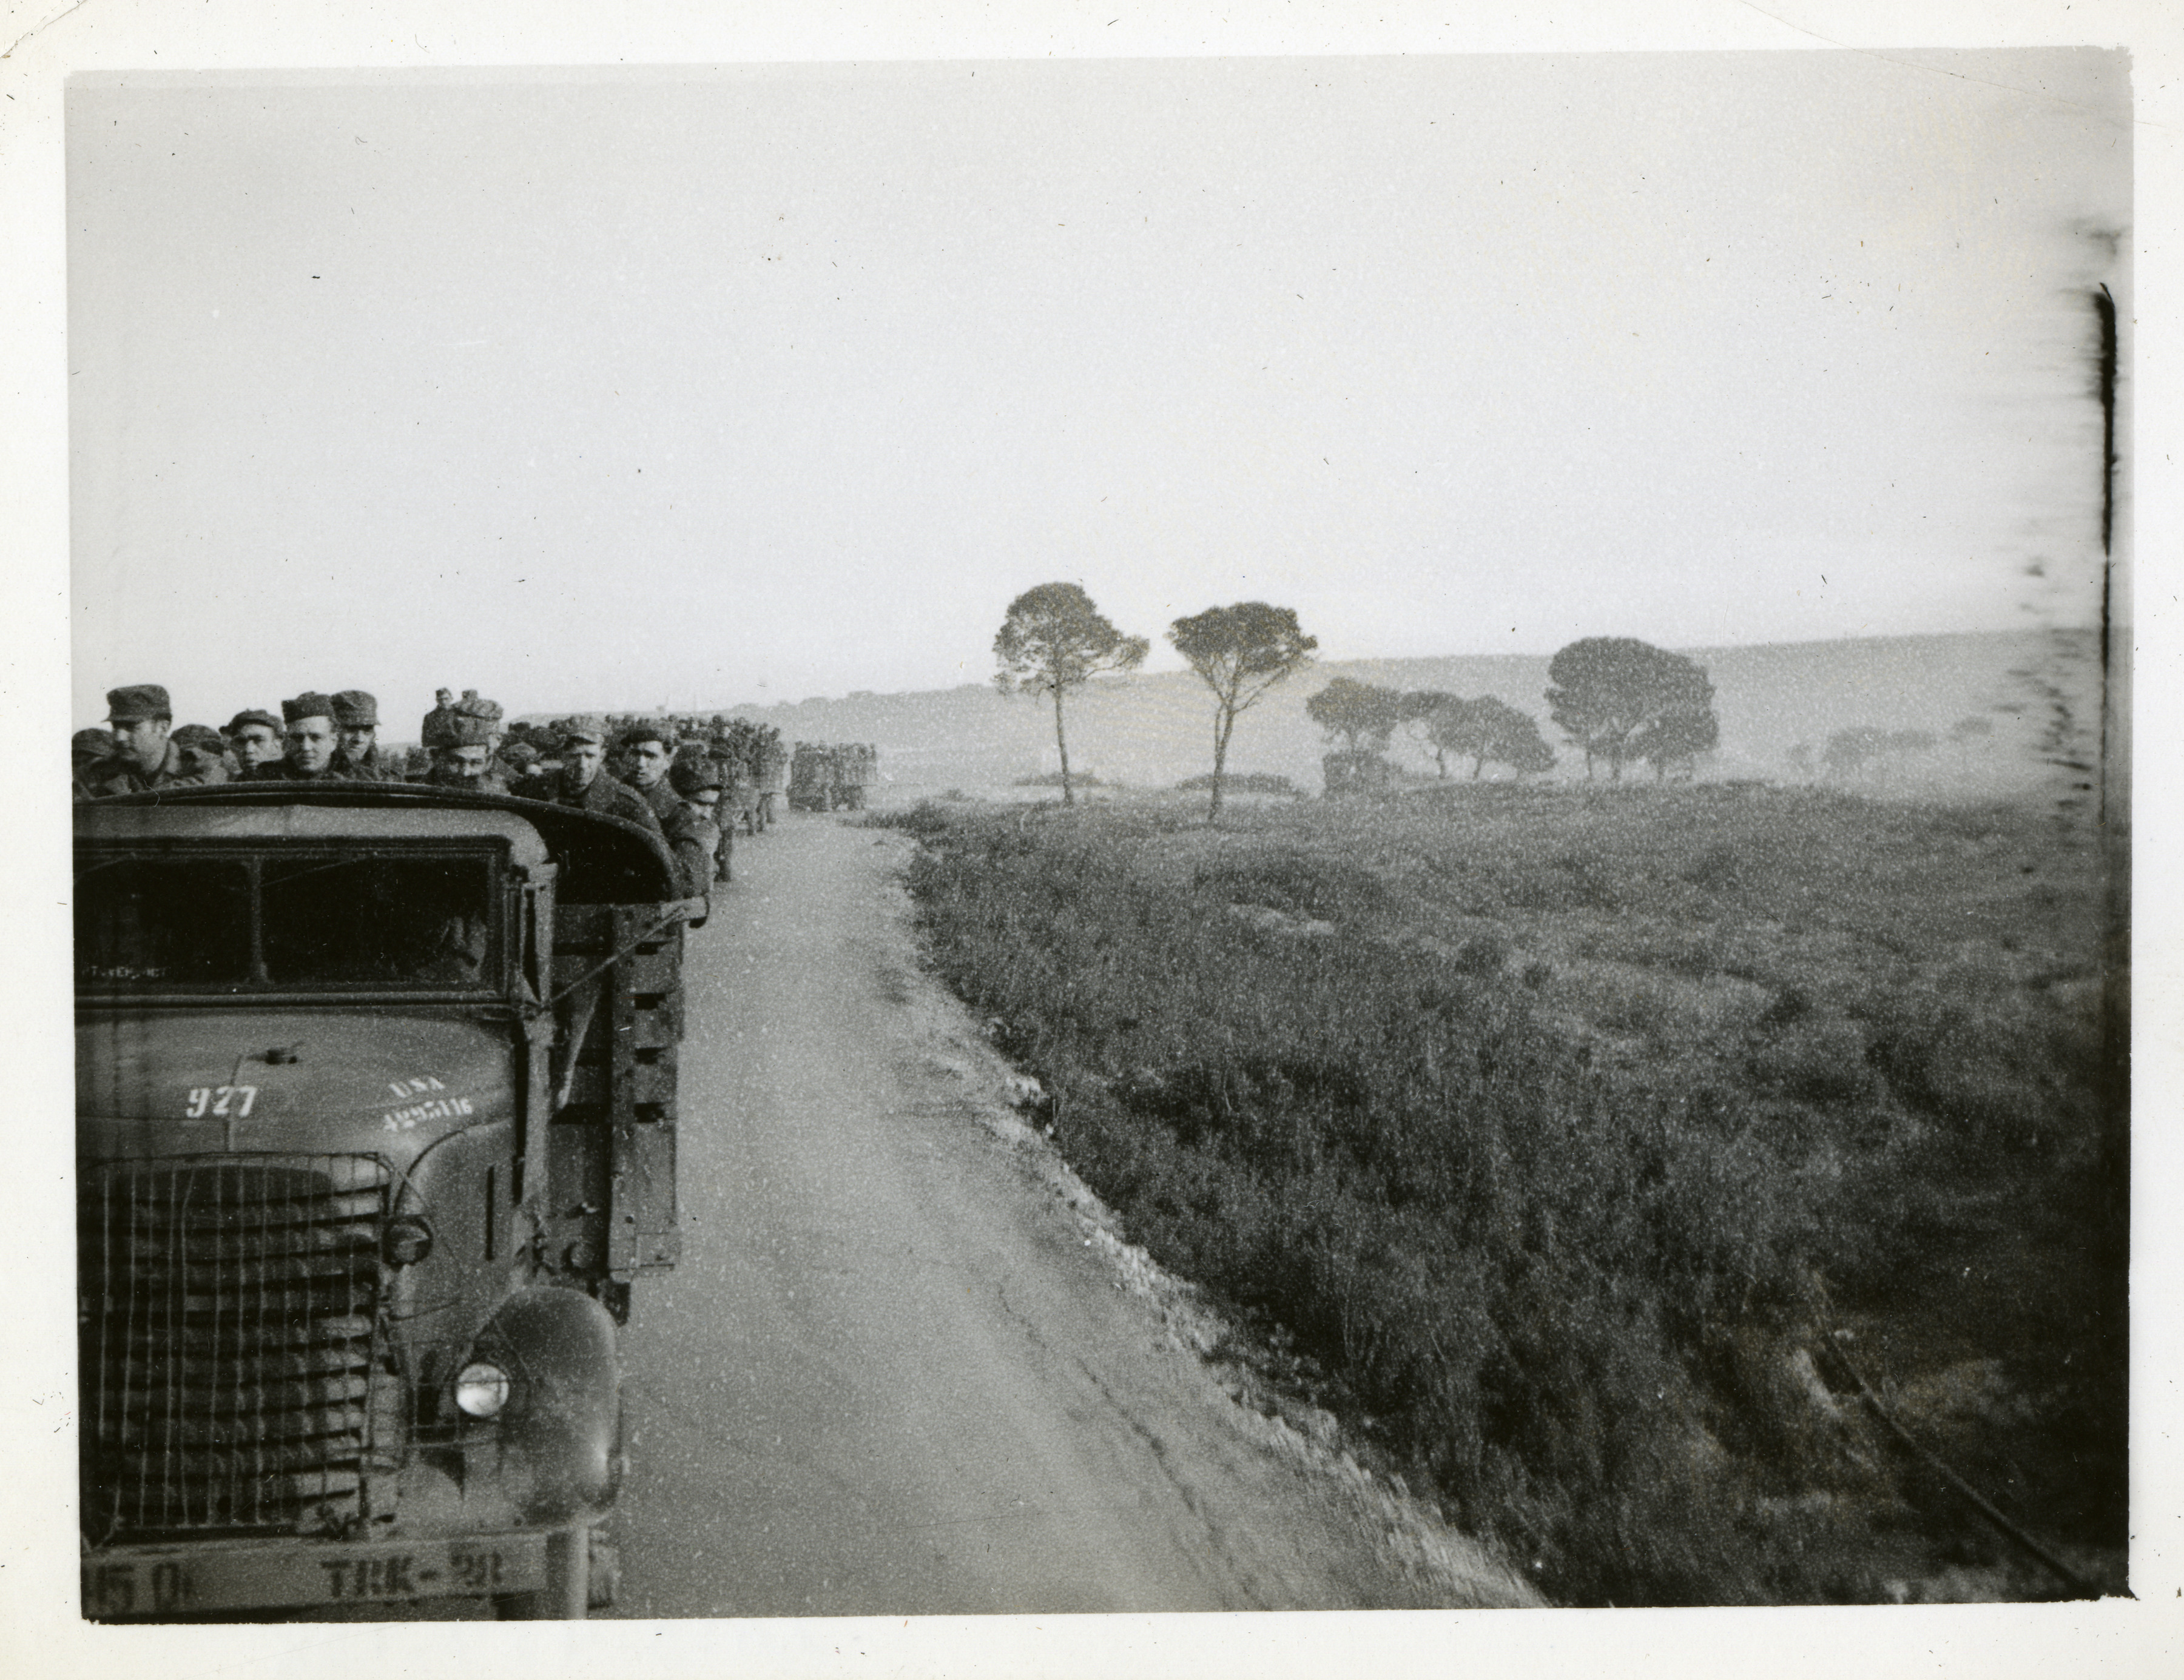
<point x="1715" y="869"/>
<point x="1482" y="953"/>
<point x="1573" y="880"/>
<point x="927" y="820"/>
<point x="1817" y="1059"/>
<point x="1319" y="889"/>
<point x="1255" y="781"/>
<point x="1507" y="1264"/>
<point x="1572" y="1283"/>
<point x="1995" y="1079"/>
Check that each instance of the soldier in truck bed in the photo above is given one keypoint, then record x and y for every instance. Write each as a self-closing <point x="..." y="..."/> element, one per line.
<point x="314" y="743"/>
<point x="647" y="750"/>
<point x="460" y="744"/>
<point x="516" y="760"/>
<point x="141" y="718"/>
<point x="356" y="716"/>
<point x="89" y="750"/>
<point x="202" y="751"/>
<point x="689" y="825"/>
<point x="254" y="738"/>
<point x="581" y="780"/>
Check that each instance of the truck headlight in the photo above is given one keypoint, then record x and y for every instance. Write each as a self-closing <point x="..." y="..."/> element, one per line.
<point x="480" y="1389"/>
<point x="406" y="1240"/>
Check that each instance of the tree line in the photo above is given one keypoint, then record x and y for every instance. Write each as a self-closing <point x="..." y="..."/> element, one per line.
<point x="1865" y="748"/>
<point x="1617" y="700"/>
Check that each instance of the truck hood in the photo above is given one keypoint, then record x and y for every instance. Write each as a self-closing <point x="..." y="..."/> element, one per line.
<point x="386" y="1081"/>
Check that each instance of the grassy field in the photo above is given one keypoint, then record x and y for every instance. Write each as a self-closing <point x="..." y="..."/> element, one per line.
<point x="1570" y="1137"/>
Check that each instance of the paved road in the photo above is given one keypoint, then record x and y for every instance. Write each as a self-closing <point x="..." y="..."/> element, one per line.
<point x="896" y="1373"/>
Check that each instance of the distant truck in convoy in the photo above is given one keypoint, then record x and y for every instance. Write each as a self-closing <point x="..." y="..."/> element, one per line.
<point x="824" y="778"/>
<point x="375" y="1120"/>
<point x="1356" y="772"/>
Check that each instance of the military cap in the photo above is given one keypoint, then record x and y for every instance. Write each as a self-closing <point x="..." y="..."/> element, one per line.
<point x="90" y="743"/>
<point x="245" y="720"/>
<point x="471" y="706"/>
<point x="198" y="737"/>
<point x="576" y="728"/>
<point x="354" y="709"/>
<point x="520" y="753"/>
<point x="307" y="704"/>
<point x="137" y="703"/>
<point x="663" y="733"/>
<point x="687" y="775"/>
<point x="445" y="728"/>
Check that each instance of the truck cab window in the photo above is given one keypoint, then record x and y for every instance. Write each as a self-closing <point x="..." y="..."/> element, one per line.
<point x="176" y="920"/>
<point x="376" y="921"/>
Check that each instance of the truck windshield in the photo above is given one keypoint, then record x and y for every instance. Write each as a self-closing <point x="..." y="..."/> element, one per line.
<point x="374" y="921"/>
<point x="160" y="918"/>
<point x="320" y="919"/>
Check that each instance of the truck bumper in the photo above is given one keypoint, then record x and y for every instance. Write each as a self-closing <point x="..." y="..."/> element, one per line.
<point x="237" y="1574"/>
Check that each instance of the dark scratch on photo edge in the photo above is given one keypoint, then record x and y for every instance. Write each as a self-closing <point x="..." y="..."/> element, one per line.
<point x="37" y="28"/>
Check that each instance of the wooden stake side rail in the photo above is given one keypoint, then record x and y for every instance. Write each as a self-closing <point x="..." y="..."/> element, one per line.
<point x="611" y="1145"/>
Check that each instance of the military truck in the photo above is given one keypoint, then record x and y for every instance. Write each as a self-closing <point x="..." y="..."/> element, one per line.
<point x="824" y="778"/>
<point x="376" y="1116"/>
<point x="770" y="782"/>
<point x="1356" y="772"/>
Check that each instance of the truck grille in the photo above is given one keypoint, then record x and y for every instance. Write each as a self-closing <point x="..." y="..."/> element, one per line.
<point x="229" y="1315"/>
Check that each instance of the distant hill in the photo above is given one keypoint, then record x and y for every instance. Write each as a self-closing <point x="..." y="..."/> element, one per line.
<point x="1154" y="730"/>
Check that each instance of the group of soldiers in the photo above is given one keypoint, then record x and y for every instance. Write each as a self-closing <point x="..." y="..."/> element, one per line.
<point x="335" y="738"/>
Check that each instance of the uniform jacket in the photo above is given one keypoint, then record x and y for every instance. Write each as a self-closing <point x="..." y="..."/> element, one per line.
<point x="662" y="797"/>
<point x="118" y="775"/>
<point x="692" y="836"/>
<point x="493" y="781"/>
<point x="280" y="770"/>
<point x="373" y="767"/>
<point x="604" y="797"/>
<point x="664" y="800"/>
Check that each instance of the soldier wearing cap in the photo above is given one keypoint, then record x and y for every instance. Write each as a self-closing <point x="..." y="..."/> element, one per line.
<point x="89" y="749"/>
<point x="690" y="827"/>
<point x="460" y="744"/>
<point x="254" y="738"/>
<point x="314" y="741"/>
<point x="202" y="752"/>
<point x="723" y="755"/>
<point x="580" y="781"/>
<point x="356" y="716"/>
<point x="647" y="751"/>
<point x="516" y="760"/>
<point x="143" y="757"/>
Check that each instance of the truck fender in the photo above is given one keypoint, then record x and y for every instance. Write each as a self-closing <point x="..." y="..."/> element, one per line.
<point x="560" y="1446"/>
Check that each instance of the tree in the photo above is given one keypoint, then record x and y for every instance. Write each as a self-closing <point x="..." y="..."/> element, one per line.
<point x="1608" y="692"/>
<point x="1417" y="709"/>
<point x="1239" y="651"/>
<point x="1362" y="716"/>
<point x="1850" y="750"/>
<point x="1489" y="728"/>
<point x="1676" y="738"/>
<point x="1053" y="640"/>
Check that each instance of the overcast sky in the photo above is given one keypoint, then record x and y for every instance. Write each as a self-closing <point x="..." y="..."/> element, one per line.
<point x="698" y="388"/>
